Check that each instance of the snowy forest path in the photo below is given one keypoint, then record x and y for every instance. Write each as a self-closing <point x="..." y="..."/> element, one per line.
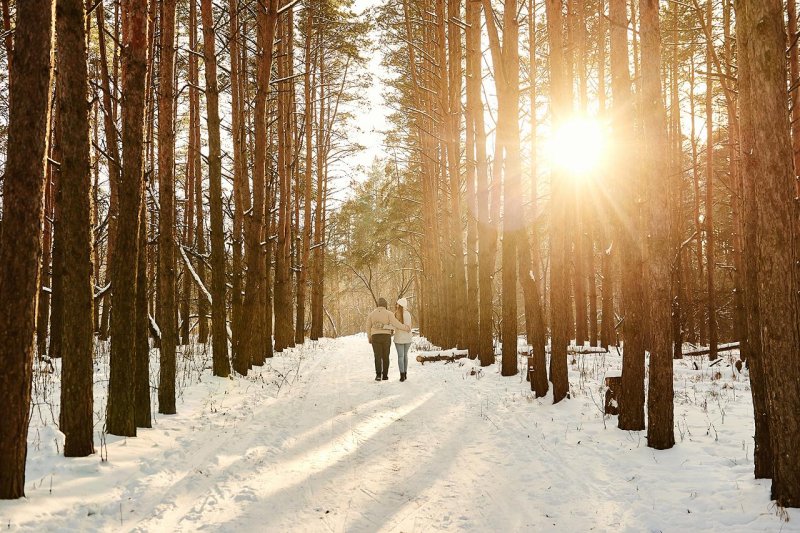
<point x="337" y="451"/>
<point x="310" y="442"/>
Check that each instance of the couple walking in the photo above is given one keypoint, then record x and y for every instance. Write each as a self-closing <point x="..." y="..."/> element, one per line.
<point x="381" y="323"/>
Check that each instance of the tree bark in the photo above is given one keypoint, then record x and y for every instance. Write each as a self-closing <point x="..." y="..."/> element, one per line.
<point x="561" y="103"/>
<point x="631" y="405"/>
<point x="777" y="237"/>
<point x="753" y="351"/>
<point x="660" y="434"/>
<point x="219" y="324"/>
<point x="20" y="249"/>
<point x="166" y="219"/>
<point x="120" y="417"/>
<point x="76" y="420"/>
<point x="711" y="304"/>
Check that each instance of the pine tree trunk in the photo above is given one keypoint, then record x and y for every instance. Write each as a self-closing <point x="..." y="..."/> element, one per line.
<point x="487" y="234"/>
<point x="197" y="169"/>
<point x="77" y="336"/>
<point x="528" y="250"/>
<point x="222" y="367"/>
<point x="709" y="203"/>
<point x="631" y="401"/>
<point x="20" y="250"/>
<point x="120" y="417"/>
<point x="754" y="355"/>
<point x="241" y="185"/>
<point x="561" y="103"/>
<point x="506" y="56"/>
<point x="284" y="334"/>
<point x="607" y="334"/>
<point x="777" y="236"/>
<point x="300" y="322"/>
<point x="166" y="220"/>
<point x="473" y="88"/>
<point x="113" y="164"/>
<point x="660" y="434"/>
<point x="318" y="260"/>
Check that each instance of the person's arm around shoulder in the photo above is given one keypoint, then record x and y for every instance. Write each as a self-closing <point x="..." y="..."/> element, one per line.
<point x="397" y="324"/>
<point x="407" y="318"/>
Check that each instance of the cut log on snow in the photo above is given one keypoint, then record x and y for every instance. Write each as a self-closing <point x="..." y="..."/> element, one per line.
<point x="720" y="348"/>
<point x="574" y="350"/>
<point x="613" y="389"/>
<point x="453" y="357"/>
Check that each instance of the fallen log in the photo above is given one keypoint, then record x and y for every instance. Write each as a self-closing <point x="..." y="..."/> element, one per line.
<point x="706" y="351"/>
<point x="441" y="357"/>
<point x="573" y="350"/>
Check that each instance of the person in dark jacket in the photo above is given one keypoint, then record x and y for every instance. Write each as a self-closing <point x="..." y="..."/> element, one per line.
<point x="379" y="327"/>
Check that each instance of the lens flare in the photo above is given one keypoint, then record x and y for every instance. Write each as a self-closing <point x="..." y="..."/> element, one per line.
<point x="578" y="147"/>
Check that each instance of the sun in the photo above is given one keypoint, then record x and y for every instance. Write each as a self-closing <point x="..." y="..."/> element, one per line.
<point x="578" y="147"/>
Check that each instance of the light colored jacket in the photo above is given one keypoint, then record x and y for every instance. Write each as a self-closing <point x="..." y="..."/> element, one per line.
<point x="382" y="321"/>
<point x="400" y="336"/>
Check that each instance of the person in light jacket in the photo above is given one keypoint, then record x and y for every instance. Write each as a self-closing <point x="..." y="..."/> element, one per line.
<point x="379" y="325"/>
<point x="402" y="339"/>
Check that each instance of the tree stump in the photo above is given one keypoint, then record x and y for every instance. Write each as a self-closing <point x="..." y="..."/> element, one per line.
<point x="613" y="389"/>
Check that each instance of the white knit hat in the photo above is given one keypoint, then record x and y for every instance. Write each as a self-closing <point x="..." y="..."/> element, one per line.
<point x="403" y="303"/>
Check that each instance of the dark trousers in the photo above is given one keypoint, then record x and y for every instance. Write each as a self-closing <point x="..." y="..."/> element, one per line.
<point x="381" y="344"/>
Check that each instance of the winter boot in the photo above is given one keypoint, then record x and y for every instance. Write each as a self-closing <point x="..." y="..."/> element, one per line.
<point x="377" y="377"/>
<point x="385" y="377"/>
<point x="402" y="376"/>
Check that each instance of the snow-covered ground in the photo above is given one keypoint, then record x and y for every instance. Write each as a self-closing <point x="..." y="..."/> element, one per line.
<point x="311" y="443"/>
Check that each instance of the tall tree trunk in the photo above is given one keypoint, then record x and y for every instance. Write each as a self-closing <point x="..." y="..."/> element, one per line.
<point x="219" y="323"/>
<point x="486" y="236"/>
<point x="458" y="298"/>
<point x="660" y="417"/>
<point x="607" y="334"/>
<point x="255" y="338"/>
<point x="528" y="251"/>
<point x="679" y="300"/>
<point x="631" y="401"/>
<point x="777" y="236"/>
<point x="698" y="313"/>
<point x="561" y="104"/>
<point x="166" y="219"/>
<point x="709" y="203"/>
<point x="284" y="334"/>
<point x="318" y="260"/>
<point x="20" y="250"/>
<point x="113" y="162"/>
<point x="76" y="420"/>
<point x="762" y="452"/>
<point x="505" y="57"/>
<point x="302" y="280"/>
<point x="473" y="88"/>
<point x="120" y="410"/>
<point x="197" y="170"/>
<point x="241" y="186"/>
